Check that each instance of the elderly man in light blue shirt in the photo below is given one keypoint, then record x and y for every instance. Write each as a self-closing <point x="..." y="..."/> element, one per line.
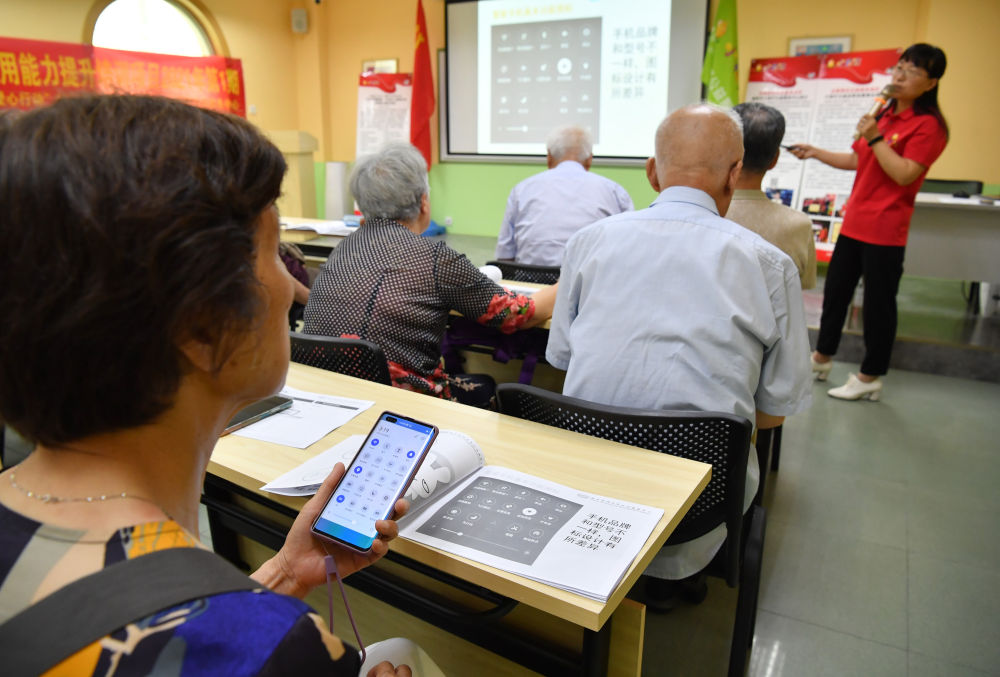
<point x="544" y="210"/>
<point x="675" y="307"/>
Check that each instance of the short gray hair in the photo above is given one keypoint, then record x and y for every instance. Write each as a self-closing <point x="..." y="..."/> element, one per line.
<point x="571" y="140"/>
<point x="390" y="183"/>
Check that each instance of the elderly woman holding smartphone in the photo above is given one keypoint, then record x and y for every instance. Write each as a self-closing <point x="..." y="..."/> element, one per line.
<point x="144" y="303"/>
<point x="892" y="154"/>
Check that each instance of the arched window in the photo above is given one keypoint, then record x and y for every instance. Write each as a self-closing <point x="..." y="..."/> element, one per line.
<point x="160" y="26"/>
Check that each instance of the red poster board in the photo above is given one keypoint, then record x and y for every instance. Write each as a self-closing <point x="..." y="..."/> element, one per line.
<point x="383" y="110"/>
<point x="822" y="97"/>
<point x="35" y="73"/>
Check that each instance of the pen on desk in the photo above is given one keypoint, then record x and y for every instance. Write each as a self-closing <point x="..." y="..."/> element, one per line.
<point x="329" y="404"/>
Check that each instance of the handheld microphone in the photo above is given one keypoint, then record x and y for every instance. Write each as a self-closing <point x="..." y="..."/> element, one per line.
<point x="877" y="106"/>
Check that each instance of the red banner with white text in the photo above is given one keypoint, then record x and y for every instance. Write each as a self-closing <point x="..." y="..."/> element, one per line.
<point x="35" y="73"/>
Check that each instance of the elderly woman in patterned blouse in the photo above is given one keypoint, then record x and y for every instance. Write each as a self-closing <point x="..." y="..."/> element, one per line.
<point x="387" y="284"/>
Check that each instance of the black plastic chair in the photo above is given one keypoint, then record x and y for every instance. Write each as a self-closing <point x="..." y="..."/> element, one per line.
<point x="720" y="439"/>
<point x="350" y="356"/>
<point x="526" y="272"/>
<point x="951" y="186"/>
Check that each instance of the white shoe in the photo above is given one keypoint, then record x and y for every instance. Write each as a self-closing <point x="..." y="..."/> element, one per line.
<point x="820" y="369"/>
<point x="856" y="389"/>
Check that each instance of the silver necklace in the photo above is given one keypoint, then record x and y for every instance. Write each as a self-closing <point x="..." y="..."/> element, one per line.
<point x="49" y="498"/>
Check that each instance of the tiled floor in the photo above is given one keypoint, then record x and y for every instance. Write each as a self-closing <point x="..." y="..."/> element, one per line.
<point x="881" y="554"/>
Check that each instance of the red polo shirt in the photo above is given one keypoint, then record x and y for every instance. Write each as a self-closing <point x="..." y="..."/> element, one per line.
<point x="879" y="209"/>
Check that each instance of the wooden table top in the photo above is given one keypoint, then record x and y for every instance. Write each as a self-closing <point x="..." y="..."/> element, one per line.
<point x="579" y="461"/>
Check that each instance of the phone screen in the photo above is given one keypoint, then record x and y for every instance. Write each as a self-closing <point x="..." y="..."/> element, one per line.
<point x="375" y="479"/>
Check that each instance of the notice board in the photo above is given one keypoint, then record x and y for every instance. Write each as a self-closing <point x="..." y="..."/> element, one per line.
<point x="822" y="97"/>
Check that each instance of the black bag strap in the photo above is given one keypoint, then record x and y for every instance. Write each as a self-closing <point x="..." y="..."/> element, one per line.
<point x="80" y="613"/>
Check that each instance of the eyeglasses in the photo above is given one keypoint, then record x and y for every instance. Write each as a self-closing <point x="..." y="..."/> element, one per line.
<point x="909" y="72"/>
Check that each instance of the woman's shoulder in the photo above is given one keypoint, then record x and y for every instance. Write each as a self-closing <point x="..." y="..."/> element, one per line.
<point x="243" y="632"/>
<point x="929" y="123"/>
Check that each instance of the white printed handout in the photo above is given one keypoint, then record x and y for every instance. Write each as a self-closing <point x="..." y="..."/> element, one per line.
<point x="323" y="227"/>
<point x="506" y="519"/>
<point x="310" y="418"/>
<point x="545" y="531"/>
<point x="453" y="455"/>
<point x="521" y="289"/>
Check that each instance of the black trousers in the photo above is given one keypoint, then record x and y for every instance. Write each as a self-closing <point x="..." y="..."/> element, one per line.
<point x="881" y="267"/>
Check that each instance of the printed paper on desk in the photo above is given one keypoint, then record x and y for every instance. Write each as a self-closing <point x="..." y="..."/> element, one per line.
<point x="305" y="479"/>
<point x="310" y="418"/>
<point x="520" y="289"/>
<point x="318" y="225"/>
<point x="529" y="526"/>
<point x="452" y="457"/>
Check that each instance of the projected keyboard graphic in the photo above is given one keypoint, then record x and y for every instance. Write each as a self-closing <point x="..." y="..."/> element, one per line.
<point x="545" y="74"/>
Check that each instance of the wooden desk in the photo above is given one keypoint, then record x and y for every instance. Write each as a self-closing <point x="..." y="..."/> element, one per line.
<point x="579" y="461"/>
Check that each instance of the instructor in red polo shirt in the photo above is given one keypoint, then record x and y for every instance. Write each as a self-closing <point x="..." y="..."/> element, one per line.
<point x="891" y="156"/>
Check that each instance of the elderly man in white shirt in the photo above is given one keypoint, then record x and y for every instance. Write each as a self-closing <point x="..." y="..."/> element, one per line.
<point x="675" y="307"/>
<point x="546" y="209"/>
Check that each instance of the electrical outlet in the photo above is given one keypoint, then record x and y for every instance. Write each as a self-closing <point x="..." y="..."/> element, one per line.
<point x="447" y="220"/>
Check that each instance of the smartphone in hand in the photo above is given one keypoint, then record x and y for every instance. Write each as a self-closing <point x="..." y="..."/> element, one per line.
<point x="379" y="474"/>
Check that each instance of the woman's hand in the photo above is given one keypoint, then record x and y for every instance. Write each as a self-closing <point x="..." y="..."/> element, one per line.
<point x="803" y="151"/>
<point x="300" y="564"/>
<point x="386" y="669"/>
<point x="868" y="127"/>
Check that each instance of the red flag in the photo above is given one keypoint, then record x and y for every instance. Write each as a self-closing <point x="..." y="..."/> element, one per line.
<point x="422" y="105"/>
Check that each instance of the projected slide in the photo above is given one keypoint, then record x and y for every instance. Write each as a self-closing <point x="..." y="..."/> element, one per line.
<point x="545" y="75"/>
<point x="601" y="64"/>
<point x="517" y="69"/>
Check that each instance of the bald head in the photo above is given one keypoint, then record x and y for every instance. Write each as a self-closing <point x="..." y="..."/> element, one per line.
<point x="699" y="146"/>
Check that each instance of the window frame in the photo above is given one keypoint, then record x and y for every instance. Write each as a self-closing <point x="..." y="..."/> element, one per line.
<point x="198" y="12"/>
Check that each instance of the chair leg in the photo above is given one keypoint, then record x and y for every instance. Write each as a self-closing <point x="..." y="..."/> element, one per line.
<point x="776" y="448"/>
<point x="764" y="448"/>
<point x="746" y="604"/>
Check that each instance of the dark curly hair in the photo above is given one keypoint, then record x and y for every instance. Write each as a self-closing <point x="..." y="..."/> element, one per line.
<point x="127" y="227"/>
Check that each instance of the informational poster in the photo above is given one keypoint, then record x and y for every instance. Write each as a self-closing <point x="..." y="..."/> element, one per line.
<point x="822" y="97"/>
<point x="35" y="73"/>
<point x="383" y="110"/>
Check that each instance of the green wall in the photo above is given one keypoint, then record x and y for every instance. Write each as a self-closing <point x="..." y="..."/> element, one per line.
<point x="475" y="195"/>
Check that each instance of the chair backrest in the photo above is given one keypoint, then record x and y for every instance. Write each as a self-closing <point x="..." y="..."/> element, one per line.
<point x="350" y="356"/>
<point x="951" y="186"/>
<point x="719" y="439"/>
<point x="526" y="272"/>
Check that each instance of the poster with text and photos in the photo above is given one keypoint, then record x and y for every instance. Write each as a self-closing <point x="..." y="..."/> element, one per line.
<point x="383" y="110"/>
<point x="822" y="97"/>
